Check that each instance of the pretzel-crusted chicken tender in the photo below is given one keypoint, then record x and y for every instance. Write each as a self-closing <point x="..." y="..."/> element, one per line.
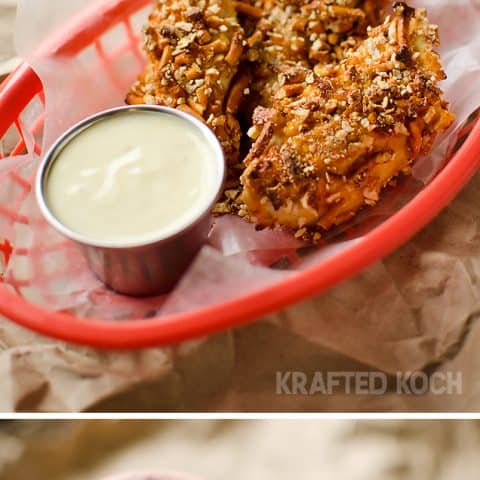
<point x="328" y="147"/>
<point x="285" y="38"/>
<point x="277" y="48"/>
<point x="334" y="27"/>
<point x="292" y="35"/>
<point x="193" y="51"/>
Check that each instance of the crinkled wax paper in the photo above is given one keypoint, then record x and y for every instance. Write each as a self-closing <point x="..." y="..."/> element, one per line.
<point x="238" y="258"/>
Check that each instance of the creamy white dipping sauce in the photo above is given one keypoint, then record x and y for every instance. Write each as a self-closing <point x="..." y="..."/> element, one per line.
<point x="133" y="177"/>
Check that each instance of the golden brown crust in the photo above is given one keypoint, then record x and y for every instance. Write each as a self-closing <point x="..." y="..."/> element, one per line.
<point x="285" y="38"/>
<point x="193" y="54"/>
<point x="332" y="147"/>
<point x="292" y="35"/>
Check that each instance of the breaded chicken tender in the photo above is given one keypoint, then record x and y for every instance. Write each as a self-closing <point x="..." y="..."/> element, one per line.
<point x="329" y="144"/>
<point x="291" y="36"/>
<point x="334" y="27"/>
<point x="285" y="39"/>
<point x="193" y="51"/>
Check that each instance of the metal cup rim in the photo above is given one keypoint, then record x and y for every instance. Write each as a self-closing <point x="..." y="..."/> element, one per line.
<point x="54" y="152"/>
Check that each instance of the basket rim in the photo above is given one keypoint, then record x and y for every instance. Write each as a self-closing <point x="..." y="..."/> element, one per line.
<point x="141" y="333"/>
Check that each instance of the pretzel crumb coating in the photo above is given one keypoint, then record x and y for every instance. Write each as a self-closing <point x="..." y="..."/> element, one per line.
<point x="285" y="39"/>
<point x="330" y="144"/>
<point x="193" y="51"/>
<point x="291" y="36"/>
<point x="334" y="27"/>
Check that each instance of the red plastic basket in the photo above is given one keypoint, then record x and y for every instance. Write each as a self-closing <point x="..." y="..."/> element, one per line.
<point x="23" y="86"/>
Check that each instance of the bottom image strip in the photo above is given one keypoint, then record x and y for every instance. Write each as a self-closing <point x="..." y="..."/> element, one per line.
<point x="253" y="450"/>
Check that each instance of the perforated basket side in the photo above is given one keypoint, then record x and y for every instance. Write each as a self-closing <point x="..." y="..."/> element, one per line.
<point x="110" y="35"/>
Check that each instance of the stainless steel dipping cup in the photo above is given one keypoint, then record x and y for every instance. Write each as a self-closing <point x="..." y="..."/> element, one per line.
<point x="145" y="268"/>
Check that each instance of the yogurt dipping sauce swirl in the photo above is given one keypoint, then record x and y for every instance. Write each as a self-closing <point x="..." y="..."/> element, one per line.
<point x="132" y="178"/>
<point x="134" y="186"/>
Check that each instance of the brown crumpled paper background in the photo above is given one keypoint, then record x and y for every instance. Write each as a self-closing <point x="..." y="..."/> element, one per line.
<point x="417" y="309"/>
